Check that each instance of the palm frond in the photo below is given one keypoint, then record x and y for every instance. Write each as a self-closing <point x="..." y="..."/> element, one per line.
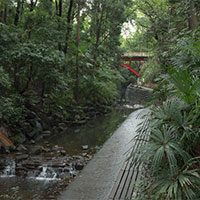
<point x="185" y="83"/>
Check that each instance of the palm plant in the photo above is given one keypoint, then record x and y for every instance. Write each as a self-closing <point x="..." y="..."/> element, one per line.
<point x="172" y="131"/>
<point x="184" y="118"/>
<point x="181" y="186"/>
<point x="163" y="150"/>
<point x="187" y="85"/>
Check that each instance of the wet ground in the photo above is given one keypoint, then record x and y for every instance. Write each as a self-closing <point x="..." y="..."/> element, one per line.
<point x="93" y="134"/>
<point x="97" y="178"/>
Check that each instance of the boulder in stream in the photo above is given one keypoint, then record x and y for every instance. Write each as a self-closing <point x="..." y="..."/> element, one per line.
<point x="63" y="152"/>
<point x="36" y="150"/>
<point x="85" y="147"/>
<point x="22" y="148"/>
<point x="62" y="126"/>
<point x="79" y="165"/>
<point x="21" y="157"/>
<point x="46" y="134"/>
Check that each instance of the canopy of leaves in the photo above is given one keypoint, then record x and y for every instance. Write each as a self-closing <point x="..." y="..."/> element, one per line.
<point x="59" y="54"/>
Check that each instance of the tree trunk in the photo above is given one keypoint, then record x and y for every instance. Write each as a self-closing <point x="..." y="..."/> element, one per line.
<point x="60" y="8"/>
<point x="99" y="24"/>
<point x="99" y="20"/>
<point x="192" y="19"/>
<point x="68" y="26"/>
<point x="17" y="14"/>
<point x="78" y="27"/>
<point x="22" y="8"/>
<point x="60" y="15"/>
<point x="56" y="7"/>
<point x="5" y="14"/>
<point x="32" y="5"/>
<point x="77" y="56"/>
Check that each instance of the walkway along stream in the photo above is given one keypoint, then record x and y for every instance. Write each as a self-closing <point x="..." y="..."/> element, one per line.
<point x="42" y="176"/>
<point x="97" y="179"/>
<point x="41" y="171"/>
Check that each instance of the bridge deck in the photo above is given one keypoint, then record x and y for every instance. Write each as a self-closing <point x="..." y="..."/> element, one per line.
<point x="137" y="55"/>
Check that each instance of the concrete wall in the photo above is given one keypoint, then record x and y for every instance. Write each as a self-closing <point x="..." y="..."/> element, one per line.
<point x="138" y="94"/>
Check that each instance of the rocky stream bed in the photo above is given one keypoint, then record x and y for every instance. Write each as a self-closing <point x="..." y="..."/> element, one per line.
<point x="40" y="168"/>
<point x="45" y="161"/>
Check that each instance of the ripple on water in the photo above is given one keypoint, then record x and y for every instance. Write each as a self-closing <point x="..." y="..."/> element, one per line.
<point x="93" y="134"/>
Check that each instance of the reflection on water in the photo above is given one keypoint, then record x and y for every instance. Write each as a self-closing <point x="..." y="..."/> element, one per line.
<point x="28" y="188"/>
<point x="93" y="134"/>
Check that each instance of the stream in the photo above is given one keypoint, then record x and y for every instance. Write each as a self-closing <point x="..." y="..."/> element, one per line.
<point x="78" y="142"/>
<point x="94" y="133"/>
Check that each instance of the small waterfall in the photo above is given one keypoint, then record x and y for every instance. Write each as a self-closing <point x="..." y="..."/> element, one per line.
<point x="9" y="170"/>
<point x="47" y="174"/>
<point x="72" y="171"/>
<point x="136" y="106"/>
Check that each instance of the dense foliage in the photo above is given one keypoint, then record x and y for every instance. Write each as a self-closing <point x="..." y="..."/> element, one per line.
<point x="58" y="57"/>
<point x="171" y="155"/>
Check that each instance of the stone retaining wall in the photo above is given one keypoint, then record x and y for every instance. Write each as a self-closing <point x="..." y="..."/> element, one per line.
<point x="138" y="95"/>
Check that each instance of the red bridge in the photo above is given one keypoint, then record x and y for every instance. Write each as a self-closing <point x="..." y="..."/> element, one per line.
<point x="136" y="56"/>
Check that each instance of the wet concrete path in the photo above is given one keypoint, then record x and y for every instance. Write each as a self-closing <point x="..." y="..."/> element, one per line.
<point x="96" y="180"/>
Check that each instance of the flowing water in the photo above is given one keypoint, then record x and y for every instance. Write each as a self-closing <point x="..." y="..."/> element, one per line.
<point x="9" y="170"/>
<point x="93" y="134"/>
<point x="47" y="174"/>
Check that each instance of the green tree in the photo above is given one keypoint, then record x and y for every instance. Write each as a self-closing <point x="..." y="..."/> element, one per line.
<point x="55" y="54"/>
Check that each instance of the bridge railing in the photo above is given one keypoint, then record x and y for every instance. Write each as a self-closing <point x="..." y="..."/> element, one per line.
<point x="137" y="54"/>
